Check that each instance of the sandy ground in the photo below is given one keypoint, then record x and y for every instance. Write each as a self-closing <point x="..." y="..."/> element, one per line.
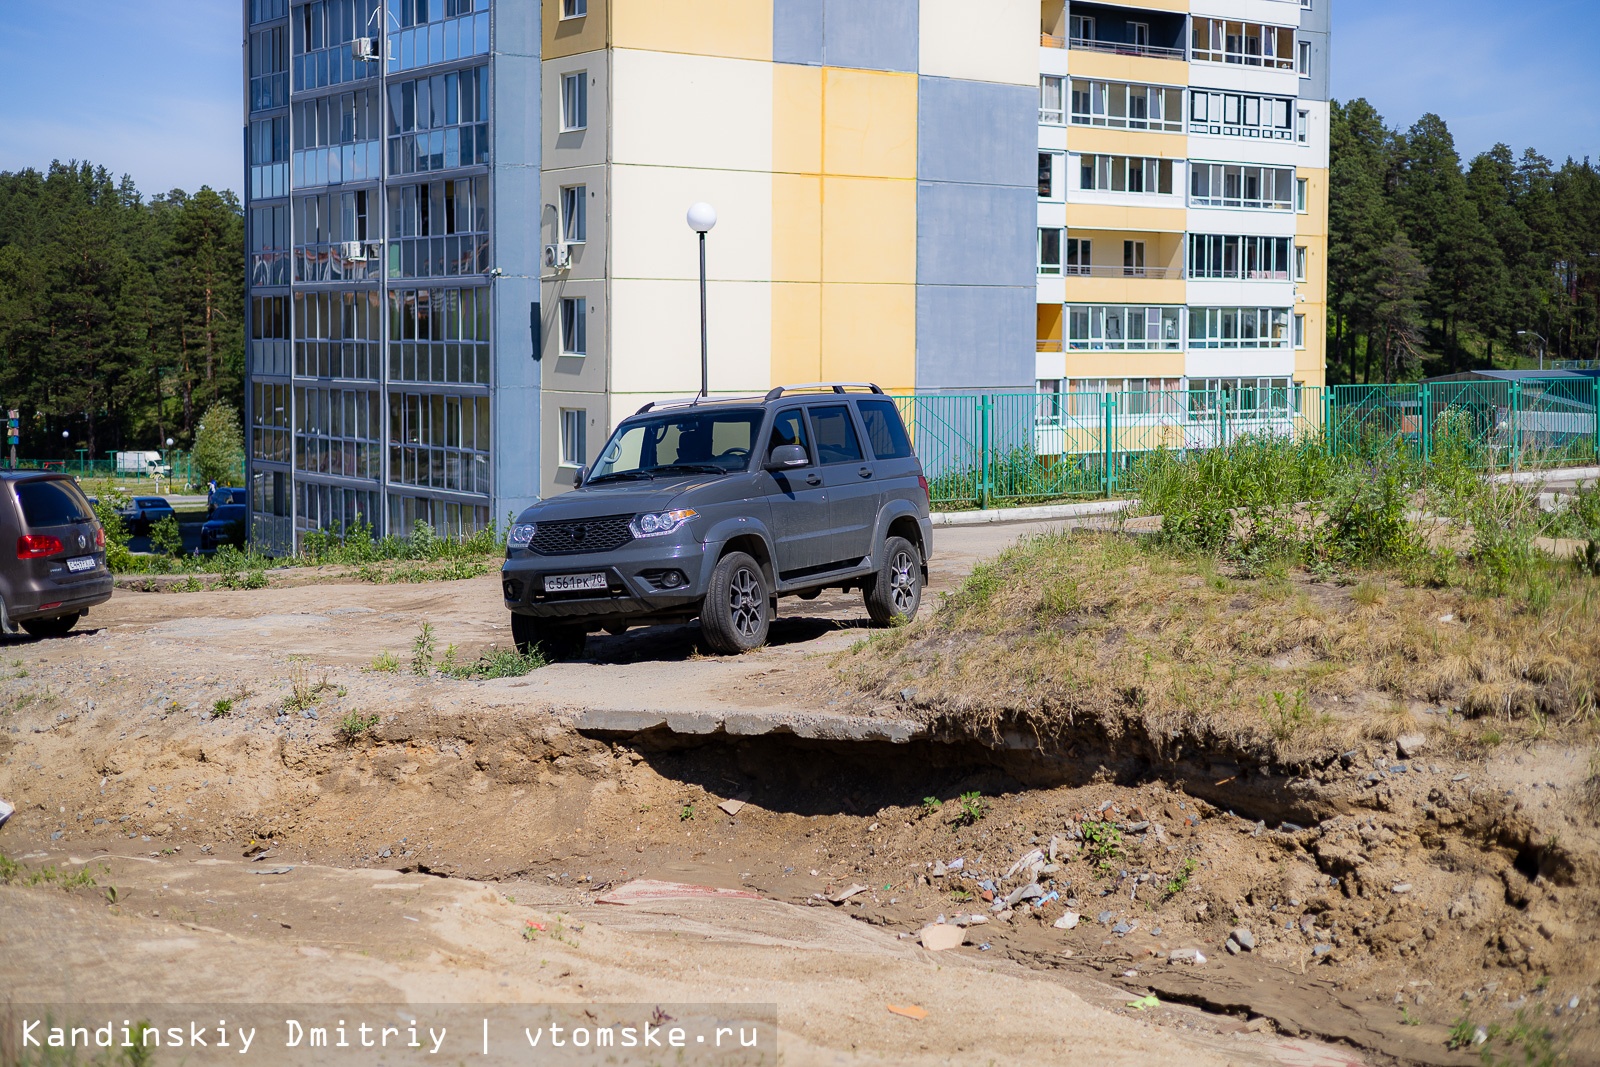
<point x="118" y="767"/>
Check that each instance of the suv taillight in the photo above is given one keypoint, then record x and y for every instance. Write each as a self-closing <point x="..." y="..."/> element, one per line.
<point x="37" y="546"/>
<point x="922" y="480"/>
<point x="99" y="537"/>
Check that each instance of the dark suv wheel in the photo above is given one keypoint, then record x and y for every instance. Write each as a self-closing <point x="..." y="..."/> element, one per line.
<point x="57" y="626"/>
<point x="554" y="642"/>
<point x="738" y="607"/>
<point x="895" y="593"/>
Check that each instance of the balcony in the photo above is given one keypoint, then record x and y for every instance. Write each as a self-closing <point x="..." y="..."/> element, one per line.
<point x="1090" y="271"/>
<point x="1122" y="48"/>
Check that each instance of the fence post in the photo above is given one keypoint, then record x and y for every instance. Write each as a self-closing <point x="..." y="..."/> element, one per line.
<point x="1516" y="426"/>
<point x="1108" y="404"/>
<point x="1222" y="416"/>
<point x="1426" y="429"/>
<point x="1595" y="383"/>
<point x="1327" y="420"/>
<point x="985" y="408"/>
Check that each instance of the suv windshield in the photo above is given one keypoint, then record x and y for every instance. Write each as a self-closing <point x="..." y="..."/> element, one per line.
<point x="684" y="442"/>
<point x="51" y="502"/>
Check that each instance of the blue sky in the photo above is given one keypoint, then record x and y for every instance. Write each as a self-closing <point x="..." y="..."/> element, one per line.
<point x="152" y="87"/>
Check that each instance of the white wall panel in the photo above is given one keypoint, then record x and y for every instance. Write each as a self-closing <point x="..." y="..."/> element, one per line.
<point x="650" y="239"/>
<point x="655" y="336"/>
<point x="997" y="41"/>
<point x="680" y="110"/>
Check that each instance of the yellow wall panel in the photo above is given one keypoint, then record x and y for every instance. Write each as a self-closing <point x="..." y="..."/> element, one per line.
<point x="1315" y="220"/>
<point x="1128" y="142"/>
<point x="1125" y="290"/>
<point x="571" y="37"/>
<point x="1136" y="69"/>
<point x="1124" y="364"/>
<point x="796" y="118"/>
<point x="736" y="29"/>
<point x="869" y="123"/>
<point x="796" y="333"/>
<point x="869" y="230"/>
<point x="796" y="228"/>
<point x="1116" y="217"/>
<point x="869" y="333"/>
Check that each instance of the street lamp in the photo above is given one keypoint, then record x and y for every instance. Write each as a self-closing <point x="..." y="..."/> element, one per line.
<point x="1542" y="344"/>
<point x="702" y="217"/>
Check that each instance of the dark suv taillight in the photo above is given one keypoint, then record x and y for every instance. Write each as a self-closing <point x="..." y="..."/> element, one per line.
<point x="37" y="546"/>
<point x="99" y="537"/>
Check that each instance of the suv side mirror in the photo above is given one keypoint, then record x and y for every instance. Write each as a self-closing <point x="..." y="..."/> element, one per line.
<point x="577" y="479"/>
<point x="787" y="457"/>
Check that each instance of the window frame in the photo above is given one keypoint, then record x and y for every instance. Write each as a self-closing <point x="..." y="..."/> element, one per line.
<point x="1302" y="256"/>
<point x="574" y="223"/>
<point x="574" y="326"/>
<point x="573" y="9"/>
<point x="1053" y="116"/>
<point x="1048" y="267"/>
<point x="575" y="101"/>
<point x="1302" y="196"/>
<point x="1302" y="58"/>
<point x="574" y="434"/>
<point x="1299" y="331"/>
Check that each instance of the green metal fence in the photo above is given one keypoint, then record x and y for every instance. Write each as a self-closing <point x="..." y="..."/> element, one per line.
<point x="1000" y="449"/>
<point x="82" y="467"/>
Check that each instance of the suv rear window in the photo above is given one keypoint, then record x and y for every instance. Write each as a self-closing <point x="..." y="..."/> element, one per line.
<point x="836" y="435"/>
<point x="51" y="502"/>
<point x="884" y="429"/>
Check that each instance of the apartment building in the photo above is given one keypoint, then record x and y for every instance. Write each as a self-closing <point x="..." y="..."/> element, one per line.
<point x="468" y="259"/>
<point x="1183" y="201"/>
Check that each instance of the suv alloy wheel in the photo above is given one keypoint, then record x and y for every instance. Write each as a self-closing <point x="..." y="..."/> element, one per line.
<point x="738" y="607"/>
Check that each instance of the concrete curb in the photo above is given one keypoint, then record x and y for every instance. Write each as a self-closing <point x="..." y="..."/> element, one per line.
<point x="1034" y="514"/>
<point x="1558" y="474"/>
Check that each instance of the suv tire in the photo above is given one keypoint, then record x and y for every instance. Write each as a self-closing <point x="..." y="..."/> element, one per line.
<point x="553" y="642"/>
<point x="56" y="626"/>
<point x="738" y="606"/>
<point x="894" y="594"/>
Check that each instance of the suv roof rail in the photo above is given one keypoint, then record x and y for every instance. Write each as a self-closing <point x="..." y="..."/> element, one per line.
<point x="693" y="401"/>
<point x="822" y="387"/>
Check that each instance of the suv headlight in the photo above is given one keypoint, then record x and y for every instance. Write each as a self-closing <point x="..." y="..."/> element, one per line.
<point x="521" y="534"/>
<point x="656" y="523"/>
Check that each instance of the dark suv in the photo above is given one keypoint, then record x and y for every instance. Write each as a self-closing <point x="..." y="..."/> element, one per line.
<point x="52" y="554"/>
<point x="715" y="508"/>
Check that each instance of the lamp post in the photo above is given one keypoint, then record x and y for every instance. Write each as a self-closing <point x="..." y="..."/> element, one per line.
<point x="702" y="217"/>
<point x="1543" y="344"/>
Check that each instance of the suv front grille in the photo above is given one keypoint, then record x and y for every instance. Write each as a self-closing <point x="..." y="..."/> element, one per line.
<point x="572" y="536"/>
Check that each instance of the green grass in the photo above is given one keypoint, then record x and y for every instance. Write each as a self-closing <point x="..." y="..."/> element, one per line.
<point x="496" y="663"/>
<point x="356" y="723"/>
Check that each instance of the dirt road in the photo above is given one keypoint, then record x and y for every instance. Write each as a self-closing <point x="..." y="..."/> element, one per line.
<point x="261" y="854"/>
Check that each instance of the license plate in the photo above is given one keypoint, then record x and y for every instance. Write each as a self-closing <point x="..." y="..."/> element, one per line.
<point x="81" y="564"/>
<point x="567" y="583"/>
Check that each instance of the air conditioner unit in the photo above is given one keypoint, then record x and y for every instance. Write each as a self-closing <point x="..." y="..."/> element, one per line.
<point x="352" y="251"/>
<point x="557" y="257"/>
<point x="366" y="47"/>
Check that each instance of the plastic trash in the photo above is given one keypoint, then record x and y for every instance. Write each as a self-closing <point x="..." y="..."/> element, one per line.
<point x="6" y="811"/>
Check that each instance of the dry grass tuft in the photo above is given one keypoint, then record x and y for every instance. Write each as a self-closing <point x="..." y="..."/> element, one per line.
<point x="1065" y="632"/>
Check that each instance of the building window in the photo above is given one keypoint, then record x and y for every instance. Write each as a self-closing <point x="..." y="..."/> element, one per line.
<point x="1123" y="329"/>
<point x="574" y="9"/>
<point x="1302" y="127"/>
<point x="1250" y="44"/>
<point x="1301" y="194"/>
<point x="1081" y="27"/>
<point x="1241" y="185"/>
<point x="1139" y="35"/>
<point x="1133" y="259"/>
<point x="438" y="122"/>
<point x="573" y="452"/>
<point x="1299" y="331"/>
<point x="1238" y="327"/>
<point x="1047" y="175"/>
<point x="1125" y="174"/>
<point x="1243" y="396"/>
<point x="1049" y="251"/>
<point x="1079" y="257"/>
<point x="1051" y="112"/>
<point x="574" y="223"/>
<point x="1127" y="107"/>
<point x="1214" y="256"/>
<point x="1299" y="263"/>
<point x="1240" y="115"/>
<point x="575" y="101"/>
<point x="574" y="326"/>
<point x="1305" y="59"/>
<point x="435" y="335"/>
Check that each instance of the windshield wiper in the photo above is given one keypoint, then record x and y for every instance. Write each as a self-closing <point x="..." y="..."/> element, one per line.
<point x="636" y="475"/>
<point x="692" y="468"/>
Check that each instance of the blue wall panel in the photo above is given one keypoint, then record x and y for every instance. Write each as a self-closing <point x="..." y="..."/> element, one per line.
<point x="978" y="132"/>
<point x="797" y="31"/>
<point x="874" y="35"/>
<point x="975" y="234"/>
<point x="975" y="337"/>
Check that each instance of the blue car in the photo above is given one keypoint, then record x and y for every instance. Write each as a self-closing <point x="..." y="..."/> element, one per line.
<point x="227" y="525"/>
<point x="225" y="494"/>
<point x="144" y="512"/>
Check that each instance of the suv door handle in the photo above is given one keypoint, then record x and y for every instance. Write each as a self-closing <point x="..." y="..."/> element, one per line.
<point x="865" y="472"/>
<point x="813" y="479"/>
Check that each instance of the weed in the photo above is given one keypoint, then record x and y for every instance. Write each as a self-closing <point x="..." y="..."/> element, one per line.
<point x="972" y="809"/>
<point x="422" y="651"/>
<point x="495" y="663"/>
<point x="166" y="538"/>
<point x="386" y="662"/>
<point x="1462" y="1033"/>
<point x="303" y="691"/>
<point x="1102" y="843"/>
<point x="1367" y="594"/>
<point x="1286" y="713"/>
<point x="448" y="664"/>
<point x="686" y="813"/>
<point x="1180" y="878"/>
<point x="930" y="805"/>
<point x="355" y="724"/>
<point x="1587" y="559"/>
<point x="1526" y="1042"/>
<point x="14" y="873"/>
<point x="221" y="708"/>
<point x="960" y="896"/>
<point x="1407" y="1019"/>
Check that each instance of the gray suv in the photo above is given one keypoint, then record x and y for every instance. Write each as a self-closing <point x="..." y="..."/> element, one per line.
<point x="52" y="554"/>
<point x="714" y="508"/>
